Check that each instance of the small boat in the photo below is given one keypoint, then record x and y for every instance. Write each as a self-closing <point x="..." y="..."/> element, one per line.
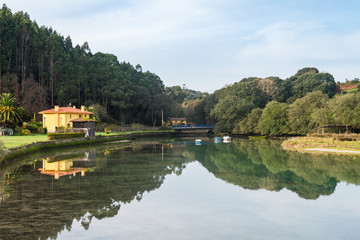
<point x="198" y="142"/>
<point x="227" y="139"/>
<point x="217" y="140"/>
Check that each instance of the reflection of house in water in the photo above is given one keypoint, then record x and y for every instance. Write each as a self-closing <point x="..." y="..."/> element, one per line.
<point x="68" y="167"/>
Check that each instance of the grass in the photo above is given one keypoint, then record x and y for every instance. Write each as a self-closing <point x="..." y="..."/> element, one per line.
<point x="18" y="140"/>
<point x="302" y="143"/>
<point x="351" y="91"/>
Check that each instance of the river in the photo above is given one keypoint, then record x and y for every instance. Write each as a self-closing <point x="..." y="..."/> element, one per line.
<point x="176" y="189"/>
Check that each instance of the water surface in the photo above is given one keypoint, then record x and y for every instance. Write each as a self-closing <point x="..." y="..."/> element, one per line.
<point x="179" y="190"/>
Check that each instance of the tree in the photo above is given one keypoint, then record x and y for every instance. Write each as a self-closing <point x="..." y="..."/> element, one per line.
<point x="9" y="112"/>
<point x="303" y="111"/>
<point x="230" y="110"/>
<point x="323" y="116"/>
<point x="160" y="104"/>
<point x="274" y="119"/>
<point x="176" y="93"/>
<point x="249" y="125"/>
<point x="306" y="70"/>
<point x="346" y="109"/>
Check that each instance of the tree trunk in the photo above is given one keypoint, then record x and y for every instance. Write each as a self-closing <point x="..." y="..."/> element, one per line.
<point x="0" y="63"/>
<point x="153" y="118"/>
<point x="52" y="77"/>
<point x="22" y="62"/>
<point x="79" y="90"/>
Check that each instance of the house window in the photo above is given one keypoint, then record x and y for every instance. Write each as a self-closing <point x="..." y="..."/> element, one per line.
<point x="68" y="124"/>
<point x="70" y="116"/>
<point x="79" y="116"/>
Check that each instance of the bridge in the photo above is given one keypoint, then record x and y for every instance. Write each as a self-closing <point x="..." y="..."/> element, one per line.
<point x="205" y="128"/>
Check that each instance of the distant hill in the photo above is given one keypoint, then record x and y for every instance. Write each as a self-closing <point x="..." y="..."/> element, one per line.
<point x="349" y="86"/>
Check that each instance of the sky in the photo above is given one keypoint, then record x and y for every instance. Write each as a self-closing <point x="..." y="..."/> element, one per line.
<point x="208" y="44"/>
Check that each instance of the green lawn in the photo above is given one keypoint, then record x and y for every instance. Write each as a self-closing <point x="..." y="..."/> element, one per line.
<point x="352" y="90"/>
<point x="17" y="141"/>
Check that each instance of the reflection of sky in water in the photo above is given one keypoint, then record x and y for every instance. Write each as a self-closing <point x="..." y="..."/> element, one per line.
<point x="196" y="205"/>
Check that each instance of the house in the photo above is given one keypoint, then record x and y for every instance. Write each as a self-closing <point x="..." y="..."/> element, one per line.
<point x="177" y="121"/>
<point x="62" y="116"/>
<point x="61" y="168"/>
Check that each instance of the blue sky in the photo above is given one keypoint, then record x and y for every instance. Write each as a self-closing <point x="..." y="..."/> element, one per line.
<point x="207" y="44"/>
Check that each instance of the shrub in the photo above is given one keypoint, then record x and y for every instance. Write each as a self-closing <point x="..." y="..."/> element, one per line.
<point x="33" y="126"/>
<point x="63" y="129"/>
<point x="54" y="136"/>
<point x="107" y="130"/>
<point x="25" y="131"/>
<point x="137" y="126"/>
<point x="41" y="130"/>
<point x="164" y="128"/>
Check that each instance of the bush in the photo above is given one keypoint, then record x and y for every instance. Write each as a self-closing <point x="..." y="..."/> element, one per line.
<point x="107" y="130"/>
<point x="41" y="130"/>
<point x="25" y="131"/>
<point x="137" y="126"/>
<point x="54" y="136"/>
<point x="33" y="126"/>
<point x="164" y="128"/>
<point x="63" y="129"/>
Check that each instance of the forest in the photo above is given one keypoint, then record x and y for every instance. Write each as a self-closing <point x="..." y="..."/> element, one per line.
<point x="41" y="68"/>
<point x="297" y="105"/>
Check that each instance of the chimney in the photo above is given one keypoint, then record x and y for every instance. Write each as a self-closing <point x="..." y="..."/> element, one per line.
<point x="74" y="107"/>
<point x="56" y="108"/>
<point x="83" y="108"/>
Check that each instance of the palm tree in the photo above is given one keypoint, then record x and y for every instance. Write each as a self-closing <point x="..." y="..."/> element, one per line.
<point x="9" y="112"/>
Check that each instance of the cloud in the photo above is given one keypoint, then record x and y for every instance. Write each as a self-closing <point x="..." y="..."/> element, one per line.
<point x="206" y="44"/>
<point x="279" y="48"/>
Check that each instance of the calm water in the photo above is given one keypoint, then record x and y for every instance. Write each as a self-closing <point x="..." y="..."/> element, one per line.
<point x="178" y="190"/>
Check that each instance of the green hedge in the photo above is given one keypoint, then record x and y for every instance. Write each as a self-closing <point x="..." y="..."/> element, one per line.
<point x="53" y="136"/>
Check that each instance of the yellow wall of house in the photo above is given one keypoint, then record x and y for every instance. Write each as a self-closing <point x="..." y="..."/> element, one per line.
<point x="53" y="120"/>
<point x="178" y="122"/>
<point x="50" y="121"/>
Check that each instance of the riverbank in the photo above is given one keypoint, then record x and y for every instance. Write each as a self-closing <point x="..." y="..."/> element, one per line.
<point x="322" y="144"/>
<point x="9" y="155"/>
<point x="15" y="141"/>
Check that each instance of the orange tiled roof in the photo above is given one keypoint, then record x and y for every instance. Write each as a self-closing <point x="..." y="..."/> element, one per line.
<point x="65" y="110"/>
<point x="180" y="118"/>
<point x="82" y="120"/>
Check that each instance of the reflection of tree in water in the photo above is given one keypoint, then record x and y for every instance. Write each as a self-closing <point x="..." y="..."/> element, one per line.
<point x="41" y="207"/>
<point x="264" y="164"/>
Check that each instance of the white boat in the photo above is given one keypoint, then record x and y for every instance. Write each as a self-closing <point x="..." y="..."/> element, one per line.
<point x="227" y="139"/>
<point x="198" y="140"/>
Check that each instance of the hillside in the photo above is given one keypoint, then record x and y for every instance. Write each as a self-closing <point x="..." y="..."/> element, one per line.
<point x="349" y="86"/>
